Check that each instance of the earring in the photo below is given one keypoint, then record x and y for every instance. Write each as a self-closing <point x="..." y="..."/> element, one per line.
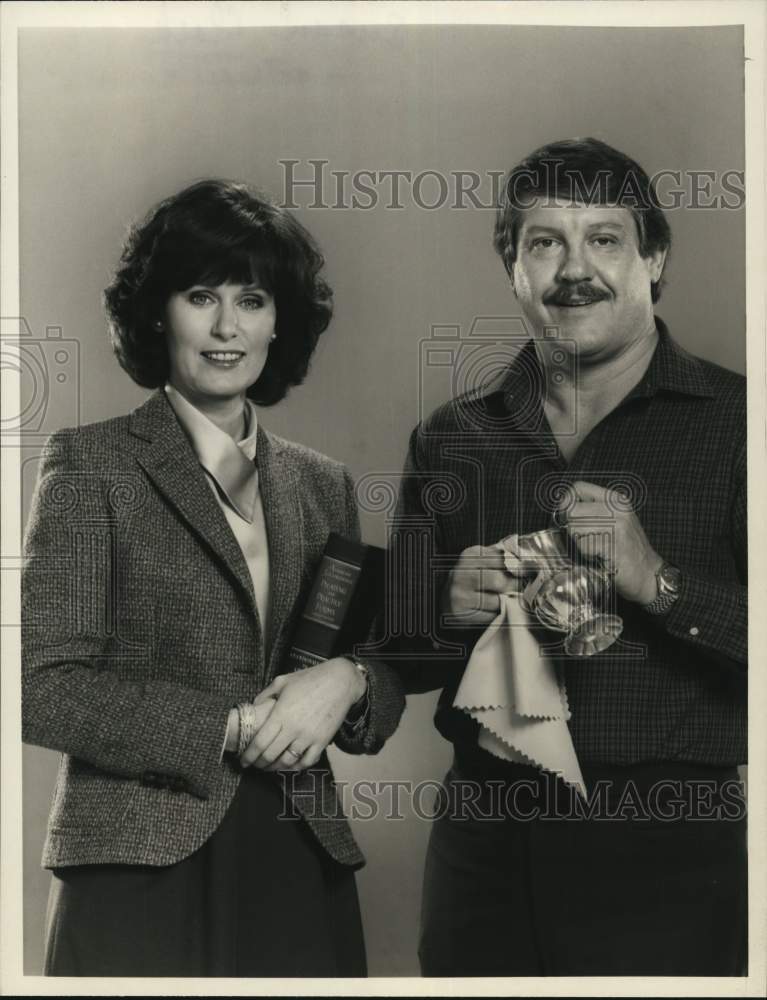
<point x="158" y="324"/>
<point x="273" y="337"/>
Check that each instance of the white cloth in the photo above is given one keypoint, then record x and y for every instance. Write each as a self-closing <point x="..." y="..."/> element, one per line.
<point x="518" y="697"/>
<point x="232" y="475"/>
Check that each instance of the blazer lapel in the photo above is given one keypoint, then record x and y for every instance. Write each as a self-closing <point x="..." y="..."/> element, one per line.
<point x="172" y="465"/>
<point x="282" y="513"/>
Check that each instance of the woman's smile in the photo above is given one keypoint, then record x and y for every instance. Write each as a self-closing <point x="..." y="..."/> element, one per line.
<point x="224" y="359"/>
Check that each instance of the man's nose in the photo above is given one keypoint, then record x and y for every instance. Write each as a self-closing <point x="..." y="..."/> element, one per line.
<point x="225" y="323"/>
<point x="575" y="266"/>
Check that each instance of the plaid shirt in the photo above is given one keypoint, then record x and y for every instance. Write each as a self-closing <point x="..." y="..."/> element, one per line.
<point x="484" y="466"/>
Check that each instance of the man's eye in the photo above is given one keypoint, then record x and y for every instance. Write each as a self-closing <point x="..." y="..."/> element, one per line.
<point x="543" y="243"/>
<point x="605" y="241"/>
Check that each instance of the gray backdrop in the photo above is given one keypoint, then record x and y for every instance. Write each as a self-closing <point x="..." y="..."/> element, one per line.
<point x="112" y="120"/>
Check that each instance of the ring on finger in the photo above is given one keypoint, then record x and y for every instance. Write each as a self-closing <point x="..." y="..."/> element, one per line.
<point x="295" y="754"/>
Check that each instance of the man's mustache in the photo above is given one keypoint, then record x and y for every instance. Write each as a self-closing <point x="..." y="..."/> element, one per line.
<point x="566" y="295"/>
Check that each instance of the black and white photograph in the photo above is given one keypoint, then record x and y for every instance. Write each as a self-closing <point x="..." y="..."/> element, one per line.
<point x="383" y="445"/>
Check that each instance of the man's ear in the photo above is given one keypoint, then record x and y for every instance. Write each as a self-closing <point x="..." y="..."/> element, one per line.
<point x="510" y="272"/>
<point x="655" y="264"/>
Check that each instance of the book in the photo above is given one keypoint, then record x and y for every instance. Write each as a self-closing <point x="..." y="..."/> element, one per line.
<point x="346" y="597"/>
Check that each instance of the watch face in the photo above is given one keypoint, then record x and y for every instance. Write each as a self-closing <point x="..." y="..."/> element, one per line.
<point x="669" y="578"/>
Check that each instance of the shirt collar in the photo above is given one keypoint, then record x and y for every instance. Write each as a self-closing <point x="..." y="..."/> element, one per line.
<point x="671" y="369"/>
<point x="231" y="464"/>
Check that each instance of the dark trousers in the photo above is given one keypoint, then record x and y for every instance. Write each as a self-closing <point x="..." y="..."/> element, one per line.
<point x="540" y="889"/>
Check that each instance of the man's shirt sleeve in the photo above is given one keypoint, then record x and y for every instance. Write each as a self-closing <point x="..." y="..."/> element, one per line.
<point x="713" y="615"/>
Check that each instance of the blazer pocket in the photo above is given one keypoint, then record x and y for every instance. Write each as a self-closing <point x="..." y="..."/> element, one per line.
<point x="86" y="798"/>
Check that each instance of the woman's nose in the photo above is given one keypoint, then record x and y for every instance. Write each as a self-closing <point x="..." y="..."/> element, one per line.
<point x="225" y="323"/>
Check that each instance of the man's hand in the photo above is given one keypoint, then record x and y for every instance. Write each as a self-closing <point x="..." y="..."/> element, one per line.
<point x="609" y="533"/>
<point x="310" y="707"/>
<point x="475" y="584"/>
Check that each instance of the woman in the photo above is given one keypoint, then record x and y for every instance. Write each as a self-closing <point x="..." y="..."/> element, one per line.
<point x="169" y="554"/>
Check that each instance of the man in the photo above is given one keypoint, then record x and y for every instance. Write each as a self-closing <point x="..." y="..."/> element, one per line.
<point x="606" y="427"/>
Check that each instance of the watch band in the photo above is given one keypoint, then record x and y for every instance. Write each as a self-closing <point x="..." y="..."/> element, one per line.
<point x="360" y="711"/>
<point x="359" y="665"/>
<point x="668" y="590"/>
<point x="661" y="604"/>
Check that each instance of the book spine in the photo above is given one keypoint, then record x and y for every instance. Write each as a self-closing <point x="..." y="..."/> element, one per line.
<point x="321" y="628"/>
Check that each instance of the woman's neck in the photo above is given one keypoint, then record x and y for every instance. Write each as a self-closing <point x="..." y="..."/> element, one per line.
<point x="230" y="415"/>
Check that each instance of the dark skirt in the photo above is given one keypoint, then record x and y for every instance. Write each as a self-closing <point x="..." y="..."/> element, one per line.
<point x="260" y="898"/>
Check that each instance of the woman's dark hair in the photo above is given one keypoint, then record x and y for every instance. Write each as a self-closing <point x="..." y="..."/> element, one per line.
<point x="586" y="171"/>
<point x="211" y="233"/>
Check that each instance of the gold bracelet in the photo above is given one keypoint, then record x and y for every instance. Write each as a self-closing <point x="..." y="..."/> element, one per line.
<point x="246" y="712"/>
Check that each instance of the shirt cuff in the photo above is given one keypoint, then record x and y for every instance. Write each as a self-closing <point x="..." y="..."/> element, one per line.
<point x="711" y="616"/>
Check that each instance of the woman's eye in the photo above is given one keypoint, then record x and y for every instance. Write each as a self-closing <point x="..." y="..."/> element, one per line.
<point x="199" y="298"/>
<point x="252" y="302"/>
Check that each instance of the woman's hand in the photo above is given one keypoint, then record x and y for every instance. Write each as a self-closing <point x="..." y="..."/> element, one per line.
<point x="310" y="707"/>
<point x="233" y="723"/>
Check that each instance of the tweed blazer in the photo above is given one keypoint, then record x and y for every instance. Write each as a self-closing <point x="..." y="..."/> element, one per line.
<point x="140" y="632"/>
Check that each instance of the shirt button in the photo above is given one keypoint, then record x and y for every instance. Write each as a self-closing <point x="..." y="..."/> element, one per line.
<point x="694" y="630"/>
